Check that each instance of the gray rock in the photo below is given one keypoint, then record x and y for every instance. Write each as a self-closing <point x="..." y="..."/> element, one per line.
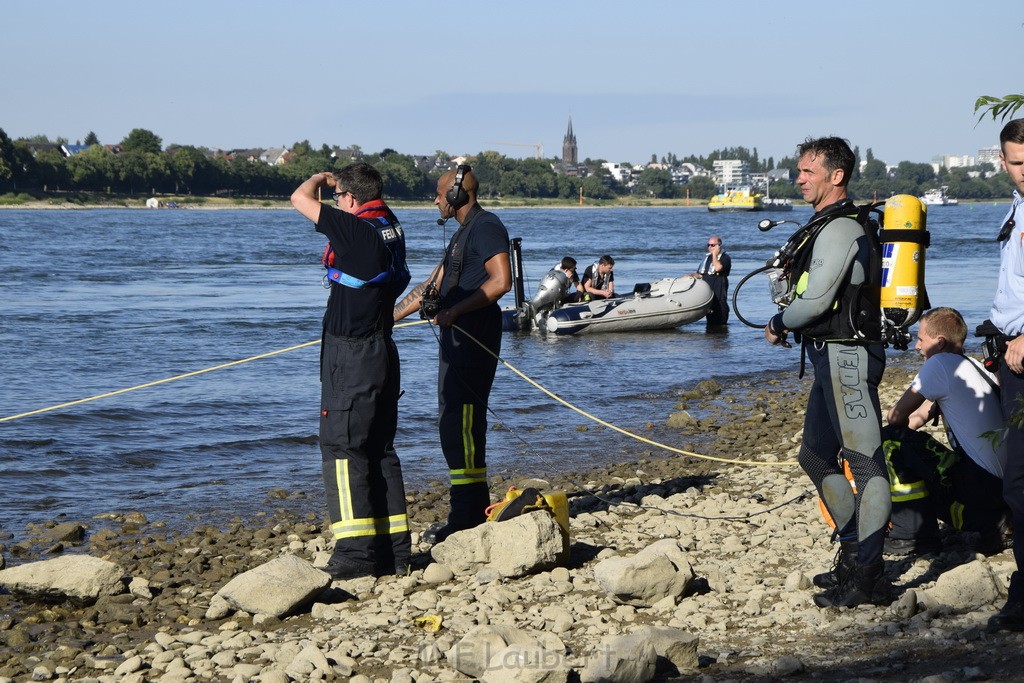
<point x="275" y="588"/>
<point x="472" y="655"/>
<point x="621" y="659"/>
<point x="129" y="666"/>
<point x="526" y="664"/>
<point x="139" y="587"/>
<point x="523" y="545"/>
<point x="777" y="668"/>
<point x="437" y="573"/>
<point x="658" y="571"/>
<point x="674" y="644"/>
<point x="80" y="578"/>
<point x="68" y="532"/>
<point x="308" y="660"/>
<point x="967" y="586"/>
<point x="219" y="608"/>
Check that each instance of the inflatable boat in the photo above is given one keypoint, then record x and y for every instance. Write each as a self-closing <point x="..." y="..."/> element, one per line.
<point x="660" y="305"/>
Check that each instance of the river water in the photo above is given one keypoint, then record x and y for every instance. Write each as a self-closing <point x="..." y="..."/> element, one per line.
<point x="94" y="301"/>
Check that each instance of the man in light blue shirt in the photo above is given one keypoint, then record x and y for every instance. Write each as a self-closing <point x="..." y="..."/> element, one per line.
<point x="1007" y="315"/>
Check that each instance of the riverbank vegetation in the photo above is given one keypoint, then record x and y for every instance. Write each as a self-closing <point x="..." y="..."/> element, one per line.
<point x="37" y="170"/>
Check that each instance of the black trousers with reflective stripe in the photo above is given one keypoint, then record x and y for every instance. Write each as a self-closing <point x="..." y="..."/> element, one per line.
<point x="464" y="379"/>
<point x="967" y="496"/>
<point x="360" y="384"/>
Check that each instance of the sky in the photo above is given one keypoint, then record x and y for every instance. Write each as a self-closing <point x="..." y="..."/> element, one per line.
<point x="638" y="78"/>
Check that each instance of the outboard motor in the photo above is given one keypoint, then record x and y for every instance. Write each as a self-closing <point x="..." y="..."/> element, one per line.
<point x="550" y="292"/>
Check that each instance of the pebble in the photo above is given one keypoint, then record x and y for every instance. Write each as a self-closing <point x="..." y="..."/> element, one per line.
<point x="753" y="536"/>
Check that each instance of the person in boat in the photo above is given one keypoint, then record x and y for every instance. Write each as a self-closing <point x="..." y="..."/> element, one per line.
<point x="598" y="281"/>
<point x="836" y="281"/>
<point x="476" y="271"/>
<point x="714" y="270"/>
<point x="1007" y="318"/>
<point x="359" y="372"/>
<point x="961" y="485"/>
<point x="568" y="266"/>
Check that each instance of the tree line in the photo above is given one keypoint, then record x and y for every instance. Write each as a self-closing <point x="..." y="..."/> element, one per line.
<point x="139" y="164"/>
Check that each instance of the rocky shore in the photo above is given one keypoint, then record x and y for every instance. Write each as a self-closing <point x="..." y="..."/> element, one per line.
<point x="676" y="568"/>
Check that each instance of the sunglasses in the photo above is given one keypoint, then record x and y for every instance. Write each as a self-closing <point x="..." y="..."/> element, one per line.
<point x="336" y="195"/>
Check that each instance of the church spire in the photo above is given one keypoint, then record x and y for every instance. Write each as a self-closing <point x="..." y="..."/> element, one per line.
<point x="569" y="151"/>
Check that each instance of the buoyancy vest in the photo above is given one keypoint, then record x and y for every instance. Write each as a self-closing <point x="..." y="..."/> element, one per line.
<point x="598" y="281"/>
<point x="856" y="314"/>
<point x="380" y="218"/>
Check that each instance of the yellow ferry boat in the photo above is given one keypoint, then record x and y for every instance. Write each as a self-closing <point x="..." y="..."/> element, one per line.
<point x="740" y="199"/>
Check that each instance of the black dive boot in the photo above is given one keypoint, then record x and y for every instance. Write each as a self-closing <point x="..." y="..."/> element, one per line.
<point x="863" y="584"/>
<point x="1011" y="616"/>
<point x="845" y="559"/>
<point x="469" y="501"/>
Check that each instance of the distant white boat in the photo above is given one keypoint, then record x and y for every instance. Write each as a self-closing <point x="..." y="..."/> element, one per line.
<point x="938" y="197"/>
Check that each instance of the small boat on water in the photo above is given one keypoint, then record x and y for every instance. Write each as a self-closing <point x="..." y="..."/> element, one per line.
<point x="661" y="305"/>
<point x="745" y="199"/>
<point x="774" y="204"/>
<point x="938" y="197"/>
<point x="739" y="199"/>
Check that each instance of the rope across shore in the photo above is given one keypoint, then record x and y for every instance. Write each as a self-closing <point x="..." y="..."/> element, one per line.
<point x="524" y="376"/>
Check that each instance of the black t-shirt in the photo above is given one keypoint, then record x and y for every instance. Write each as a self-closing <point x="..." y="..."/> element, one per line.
<point x="487" y="237"/>
<point x="358" y="251"/>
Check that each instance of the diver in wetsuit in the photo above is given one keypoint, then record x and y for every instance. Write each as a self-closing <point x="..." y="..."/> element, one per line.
<point x="835" y="280"/>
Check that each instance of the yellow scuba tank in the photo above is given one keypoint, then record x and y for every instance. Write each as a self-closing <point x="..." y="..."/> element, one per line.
<point x="904" y="239"/>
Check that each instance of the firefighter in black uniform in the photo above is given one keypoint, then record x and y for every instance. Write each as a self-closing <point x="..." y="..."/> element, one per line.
<point x="475" y="273"/>
<point x="360" y="372"/>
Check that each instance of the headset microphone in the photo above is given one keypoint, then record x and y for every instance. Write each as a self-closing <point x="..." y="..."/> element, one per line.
<point x="442" y="221"/>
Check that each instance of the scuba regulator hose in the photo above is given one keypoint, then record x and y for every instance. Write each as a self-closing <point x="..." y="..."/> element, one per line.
<point x="736" y="292"/>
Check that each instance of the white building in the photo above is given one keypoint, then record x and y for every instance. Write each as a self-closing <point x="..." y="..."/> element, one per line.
<point x="621" y="172"/>
<point x="731" y="172"/>
<point x="953" y="161"/>
<point x="989" y="155"/>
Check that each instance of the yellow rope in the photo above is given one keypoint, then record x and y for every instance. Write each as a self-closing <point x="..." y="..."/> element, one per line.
<point x="508" y="365"/>
<point x="175" y="378"/>
<point x="613" y="427"/>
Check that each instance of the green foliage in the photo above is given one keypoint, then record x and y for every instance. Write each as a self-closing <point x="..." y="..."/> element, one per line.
<point x="142" y="166"/>
<point x="7" y="156"/>
<point x="93" y="169"/>
<point x="1000" y="108"/>
<point x="702" y="187"/>
<point x="142" y="141"/>
<point x="402" y="179"/>
<point x="594" y="188"/>
<point x="655" y="182"/>
<point x="12" y="199"/>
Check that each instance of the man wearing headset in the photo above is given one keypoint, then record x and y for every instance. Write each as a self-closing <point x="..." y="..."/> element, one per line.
<point x="475" y="273"/>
